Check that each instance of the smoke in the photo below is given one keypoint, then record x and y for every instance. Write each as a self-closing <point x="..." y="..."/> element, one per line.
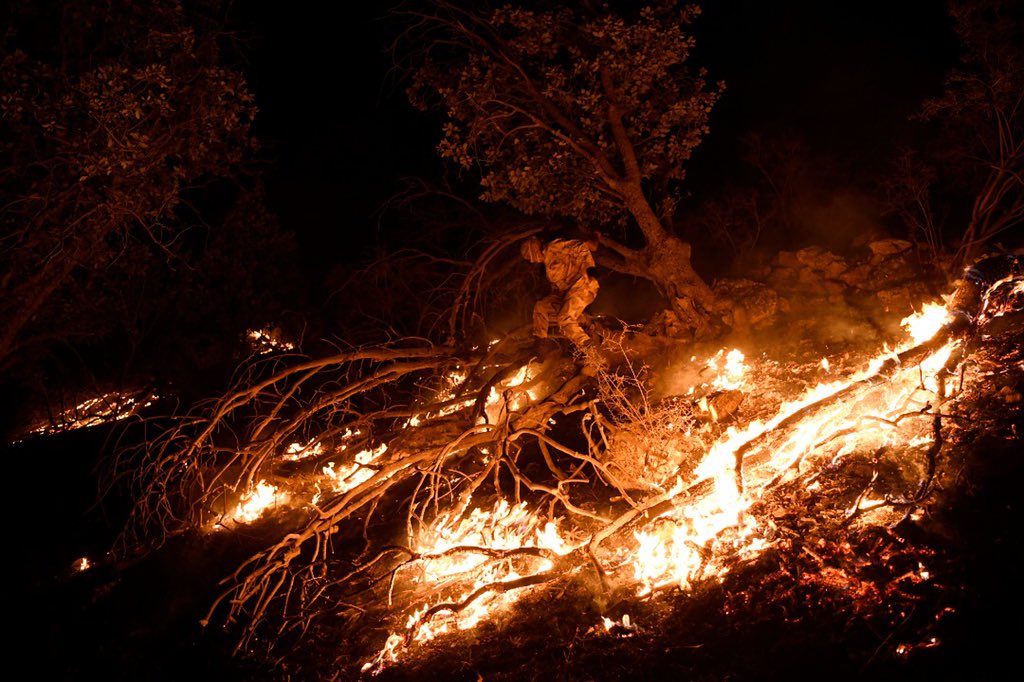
<point x="838" y="220"/>
<point x="632" y="300"/>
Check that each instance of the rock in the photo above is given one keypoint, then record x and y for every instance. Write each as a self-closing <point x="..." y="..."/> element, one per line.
<point x="885" y="248"/>
<point x="787" y="259"/>
<point x="723" y="404"/>
<point x="890" y="263"/>
<point x="760" y="303"/>
<point x="667" y="323"/>
<point x="809" y="277"/>
<point x="903" y="300"/>
<point x="833" y="286"/>
<point x="857" y="276"/>
<point x="894" y="271"/>
<point x="812" y="272"/>
<point x="783" y="278"/>
<point x="822" y="261"/>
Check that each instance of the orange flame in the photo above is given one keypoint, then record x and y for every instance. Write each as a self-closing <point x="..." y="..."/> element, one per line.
<point x="254" y="503"/>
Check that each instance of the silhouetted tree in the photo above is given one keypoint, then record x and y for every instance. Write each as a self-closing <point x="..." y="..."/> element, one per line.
<point x="582" y="112"/>
<point x="122" y="132"/>
<point x="973" y="169"/>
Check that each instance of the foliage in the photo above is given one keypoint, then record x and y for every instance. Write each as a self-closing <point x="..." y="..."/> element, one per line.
<point x="556" y="106"/>
<point x="977" y="155"/>
<point x="123" y="128"/>
<point x="410" y="286"/>
<point x="586" y="113"/>
<point x="908" y="192"/>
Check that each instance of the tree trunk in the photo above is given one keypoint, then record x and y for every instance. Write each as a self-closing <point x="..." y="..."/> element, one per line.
<point x="665" y="260"/>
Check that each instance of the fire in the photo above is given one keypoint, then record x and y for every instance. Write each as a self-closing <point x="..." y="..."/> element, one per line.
<point x="505" y="526"/>
<point x="622" y="628"/>
<point x="676" y="551"/>
<point x="344" y="478"/>
<point x="81" y="565"/>
<point x="256" y="501"/>
<point x="452" y="385"/>
<point x="109" y="407"/>
<point x="298" y="451"/>
<point x="498" y="404"/>
<point x="264" y="341"/>
<point x="729" y="369"/>
<point x="702" y="539"/>
<point x="448" y="552"/>
<point x="461" y="564"/>
<point x="923" y="325"/>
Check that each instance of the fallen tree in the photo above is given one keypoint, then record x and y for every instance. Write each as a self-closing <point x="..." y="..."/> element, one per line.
<point x="420" y="488"/>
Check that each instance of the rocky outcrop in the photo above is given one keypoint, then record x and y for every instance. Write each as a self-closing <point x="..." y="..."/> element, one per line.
<point x="886" y="273"/>
<point x="827" y="296"/>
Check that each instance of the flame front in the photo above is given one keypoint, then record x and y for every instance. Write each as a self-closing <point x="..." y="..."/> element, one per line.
<point x="465" y="564"/>
<point x="706" y="536"/>
<point x="703" y="538"/>
<point x="729" y="371"/>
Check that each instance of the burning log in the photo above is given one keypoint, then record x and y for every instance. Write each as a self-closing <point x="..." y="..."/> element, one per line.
<point x="968" y="304"/>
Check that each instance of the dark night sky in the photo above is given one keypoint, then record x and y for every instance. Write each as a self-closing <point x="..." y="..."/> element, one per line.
<point x="339" y="135"/>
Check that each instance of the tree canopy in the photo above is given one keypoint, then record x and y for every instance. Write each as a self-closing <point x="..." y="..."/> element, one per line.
<point x="583" y="112"/>
<point x="962" y="189"/>
<point x="126" y="135"/>
<point x="561" y="107"/>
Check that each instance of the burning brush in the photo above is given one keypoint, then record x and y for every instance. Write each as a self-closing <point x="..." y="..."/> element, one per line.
<point x="459" y="563"/>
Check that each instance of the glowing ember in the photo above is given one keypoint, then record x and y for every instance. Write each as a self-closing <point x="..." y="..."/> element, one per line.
<point x="622" y="628"/>
<point x="446" y="396"/>
<point x="387" y="655"/>
<point x="264" y="341"/>
<point x="109" y="407"/>
<point x="82" y="564"/>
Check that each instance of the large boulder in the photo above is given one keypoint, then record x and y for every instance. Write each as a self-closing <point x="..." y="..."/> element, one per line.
<point x="904" y="299"/>
<point x="744" y="298"/>
<point x="822" y="261"/>
<point x="886" y="248"/>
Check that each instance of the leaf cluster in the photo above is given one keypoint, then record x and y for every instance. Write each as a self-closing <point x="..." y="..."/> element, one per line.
<point x="122" y="132"/>
<point x="531" y="94"/>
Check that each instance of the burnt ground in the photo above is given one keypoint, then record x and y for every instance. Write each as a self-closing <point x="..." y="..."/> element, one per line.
<point x="933" y="596"/>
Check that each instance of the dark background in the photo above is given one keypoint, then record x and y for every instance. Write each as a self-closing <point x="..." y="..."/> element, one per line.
<point x="339" y="135"/>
